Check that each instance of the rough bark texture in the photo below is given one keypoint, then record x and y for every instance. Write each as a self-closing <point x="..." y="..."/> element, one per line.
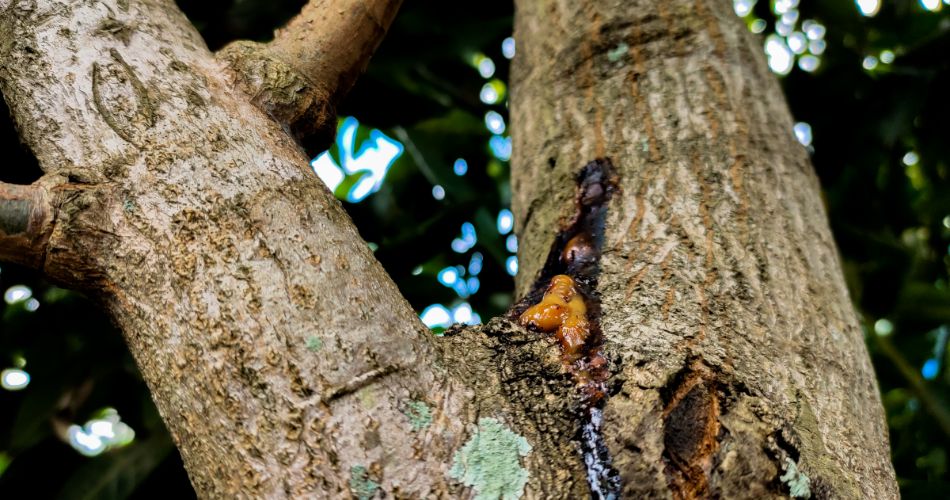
<point x="311" y="63"/>
<point x="738" y="362"/>
<point x="282" y="357"/>
<point x="26" y="215"/>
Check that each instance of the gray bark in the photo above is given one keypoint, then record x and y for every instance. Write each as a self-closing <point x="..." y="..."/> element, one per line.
<point x="284" y="360"/>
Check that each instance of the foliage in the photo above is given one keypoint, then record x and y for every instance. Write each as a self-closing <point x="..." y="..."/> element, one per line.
<point x="890" y="212"/>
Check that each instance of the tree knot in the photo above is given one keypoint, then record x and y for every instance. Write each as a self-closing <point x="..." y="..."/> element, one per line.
<point x="282" y="91"/>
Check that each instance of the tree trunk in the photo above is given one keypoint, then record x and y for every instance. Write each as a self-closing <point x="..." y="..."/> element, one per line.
<point x="284" y="360"/>
<point x="736" y="350"/>
<point x="280" y="355"/>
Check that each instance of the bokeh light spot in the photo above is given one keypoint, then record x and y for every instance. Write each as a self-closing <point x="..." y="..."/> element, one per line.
<point x="436" y="315"/>
<point x="511" y="265"/>
<point x="460" y="167"/>
<point x="373" y="159"/>
<point x="930" y="369"/>
<point x="883" y="327"/>
<point x="910" y="158"/>
<point x="506" y="221"/>
<point x="868" y="8"/>
<point x="508" y="47"/>
<point x="17" y="293"/>
<point x="803" y="133"/>
<point x="14" y="379"/>
<point x="494" y="122"/>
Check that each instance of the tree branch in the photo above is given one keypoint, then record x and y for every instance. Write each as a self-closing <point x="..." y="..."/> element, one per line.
<point x="26" y="221"/>
<point x="313" y="61"/>
<point x="931" y="403"/>
<point x="198" y="224"/>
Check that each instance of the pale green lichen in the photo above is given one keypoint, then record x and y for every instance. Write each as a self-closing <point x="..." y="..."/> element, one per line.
<point x="797" y="482"/>
<point x="367" y="397"/>
<point x="489" y="462"/>
<point x="314" y="343"/>
<point x="418" y="413"/>
<point x="616" y="53"/>
<point x="361" y="486"/>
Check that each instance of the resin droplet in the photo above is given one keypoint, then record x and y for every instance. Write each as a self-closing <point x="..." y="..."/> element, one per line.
<point x="562" y="309"/>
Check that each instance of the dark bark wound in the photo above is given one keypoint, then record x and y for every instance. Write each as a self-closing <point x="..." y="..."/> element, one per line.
<point x="691" y="431"/>
<point x="576" y="253"/>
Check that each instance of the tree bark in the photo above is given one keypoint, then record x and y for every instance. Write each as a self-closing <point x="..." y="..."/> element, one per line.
<point x="286" y="364"/>
<point x="279" y="353"/>
<point x="736" y="350"/>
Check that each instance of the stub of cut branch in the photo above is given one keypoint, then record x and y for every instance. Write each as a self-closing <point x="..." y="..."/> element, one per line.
<point x="26" y="222"/>
<point x="312" y="63"/>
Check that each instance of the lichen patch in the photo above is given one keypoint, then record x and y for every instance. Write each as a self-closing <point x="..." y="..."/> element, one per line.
<point x="799" y="486"/>
<point x="418" y="413"/>
<point x="489" y="462"/>
<point x="361" y="485"/>
<point x="314" y="343"/>
<point x="617" y="52"/>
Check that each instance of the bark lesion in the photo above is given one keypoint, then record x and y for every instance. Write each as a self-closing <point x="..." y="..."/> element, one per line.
<point x="358" y="382"/>
<point x="694" y="429"/>
<point x="563" y="302"/>
<point x="691" y="430"/>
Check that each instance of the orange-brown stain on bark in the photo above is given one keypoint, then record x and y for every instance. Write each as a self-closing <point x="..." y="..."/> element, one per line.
<point x="691" y="434"/>
<point x="564" y="301"/>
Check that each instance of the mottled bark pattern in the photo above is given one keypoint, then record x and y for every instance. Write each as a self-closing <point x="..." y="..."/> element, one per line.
<point x="311" y="63"/>
<point x="734" y="345"/>
<point x="284" y="360"/>
<point x="279" y="353"/>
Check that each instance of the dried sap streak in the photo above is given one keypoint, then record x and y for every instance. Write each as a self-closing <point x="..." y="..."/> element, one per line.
<point x="569" y="308"/>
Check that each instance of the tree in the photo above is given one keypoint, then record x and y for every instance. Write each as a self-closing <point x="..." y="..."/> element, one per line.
<point x="652" y="165"/>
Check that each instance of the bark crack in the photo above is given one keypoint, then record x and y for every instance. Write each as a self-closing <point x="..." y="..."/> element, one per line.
<point x="359" y="382"/>
<point x="565" y="299"/>
<point x="691" y="430"/>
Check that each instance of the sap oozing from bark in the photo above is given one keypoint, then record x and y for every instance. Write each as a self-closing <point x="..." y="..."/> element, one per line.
<point x="564" y="301"/>
<point x="562" y="310"/>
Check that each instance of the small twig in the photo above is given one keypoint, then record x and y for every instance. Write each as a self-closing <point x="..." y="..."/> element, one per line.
<point x="26" y="222"/>
<point x="930" y="402"/>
